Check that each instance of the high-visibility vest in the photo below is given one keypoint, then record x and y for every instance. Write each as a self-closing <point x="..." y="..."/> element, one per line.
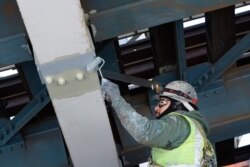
<point x="190" y="153"/>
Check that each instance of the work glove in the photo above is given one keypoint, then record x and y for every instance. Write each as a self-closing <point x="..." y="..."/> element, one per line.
<point x="110" y="90"/>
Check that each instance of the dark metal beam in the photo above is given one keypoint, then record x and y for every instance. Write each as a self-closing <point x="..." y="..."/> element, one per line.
<point x="41" y="145"/>
<point x="10" y="87"/>
<point x="14" y="50"/>
<point x="181" y="51"/>
<point x="212" y="73"/>
<point x="24" y="116"/>
<point x="10" y="19"/>
<point x="148" y="13"/>
<point x="220" y="25"/>
<point x="163" y="41"/>
<point x="100" y="5"/>
<point x="30" y="78"/>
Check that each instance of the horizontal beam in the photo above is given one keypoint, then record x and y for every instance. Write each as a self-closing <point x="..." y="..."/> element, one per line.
<point x="148" y="13"/>
<point x="14" y="50"/>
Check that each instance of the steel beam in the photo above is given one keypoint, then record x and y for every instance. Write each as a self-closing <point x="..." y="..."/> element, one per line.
<point x="163" y="41"/>
<point x="29" y="74"/>
<point x="225" y="104"/>
<point x="14" y="50"/>
<point x="10" y="19"/>
<point x="100" y="5"/>
<point x="42" y="145"/>
<point x="147" y="13"/>
<point x="24" y="116"/>
<point x="212" y="73"/>
<point x="64" y="48"/>
<point x="181" y="50"/>
<point x="220" y="38"/>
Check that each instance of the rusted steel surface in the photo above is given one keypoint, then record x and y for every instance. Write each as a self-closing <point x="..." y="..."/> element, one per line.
<point x="148" y="13"/>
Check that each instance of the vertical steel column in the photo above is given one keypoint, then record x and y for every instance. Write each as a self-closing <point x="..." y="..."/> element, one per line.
<point x="168" y="42"/>
<point x="164" y="46"/>
<point x="28" y="72"/>
<point x="181" y="51"/>
<point x="220" y="25"/>
<point x="63" y="49"/>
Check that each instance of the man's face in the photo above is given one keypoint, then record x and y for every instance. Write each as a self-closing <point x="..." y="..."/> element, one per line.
<point x="162" y="106"/>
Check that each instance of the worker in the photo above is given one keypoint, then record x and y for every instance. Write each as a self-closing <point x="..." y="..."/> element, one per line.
<point x="178" y="135"/>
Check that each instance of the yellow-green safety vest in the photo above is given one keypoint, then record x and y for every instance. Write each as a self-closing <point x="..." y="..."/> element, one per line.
<point x="189" y="153"/>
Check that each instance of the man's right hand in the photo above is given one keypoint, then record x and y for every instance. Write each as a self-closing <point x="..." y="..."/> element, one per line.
<point x="110" y="90"/>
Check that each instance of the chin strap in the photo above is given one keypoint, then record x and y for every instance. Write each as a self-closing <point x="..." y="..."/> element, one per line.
<point x="187" y="105"/>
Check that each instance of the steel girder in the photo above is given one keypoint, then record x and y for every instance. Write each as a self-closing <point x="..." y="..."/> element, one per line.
<point x="41" y="144"/>
<point x="117" y="18"/>
<point x="181" y="52"/>
<point x="110" y="18"/>
<point x="14" y="50"/>
<point x="10" y="19"/>
<point x="8" y="130"/>
<point x="63" y="51"/>
<point x="222" y="64"/>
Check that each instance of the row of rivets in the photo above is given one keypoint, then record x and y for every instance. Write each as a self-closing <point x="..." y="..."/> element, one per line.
<point x="62" y="81"/>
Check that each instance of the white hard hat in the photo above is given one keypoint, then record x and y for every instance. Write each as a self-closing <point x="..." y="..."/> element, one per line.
<point x="181" y="91"/>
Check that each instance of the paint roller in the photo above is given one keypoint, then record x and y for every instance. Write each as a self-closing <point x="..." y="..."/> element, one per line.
<point x="98" y="63"/>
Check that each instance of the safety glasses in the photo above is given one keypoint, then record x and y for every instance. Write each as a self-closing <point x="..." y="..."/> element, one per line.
<point x="163" y="102"/>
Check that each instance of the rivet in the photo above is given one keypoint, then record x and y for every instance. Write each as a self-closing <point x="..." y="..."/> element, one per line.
<point x="93" y="11"/>
<point x="200" y="82"/>
<point x="216" y="92"/>
<point x="49" y="80"/>
<point x="7" y="131"/>
<point x="212" y="70"/>
<point x="206" y="94"/>
<point x="206" y="76"/>
<point x="80" y="76"/>
<point x="61" y="81"/>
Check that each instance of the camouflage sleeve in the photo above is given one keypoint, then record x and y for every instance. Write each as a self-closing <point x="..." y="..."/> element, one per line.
<point x="167" y="133"/>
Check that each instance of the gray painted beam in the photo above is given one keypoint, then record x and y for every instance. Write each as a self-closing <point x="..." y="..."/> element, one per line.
<point x="59" y="37"/>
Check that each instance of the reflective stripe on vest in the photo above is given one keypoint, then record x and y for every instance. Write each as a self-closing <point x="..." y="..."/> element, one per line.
<point x="190" y="153"/>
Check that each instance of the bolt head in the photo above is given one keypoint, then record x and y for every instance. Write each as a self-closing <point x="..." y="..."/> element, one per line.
<point x="49" y="80"/>
<point x="61" y="81"/>
<point x="93" y="11"/>
<point x="79" y="76"/>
